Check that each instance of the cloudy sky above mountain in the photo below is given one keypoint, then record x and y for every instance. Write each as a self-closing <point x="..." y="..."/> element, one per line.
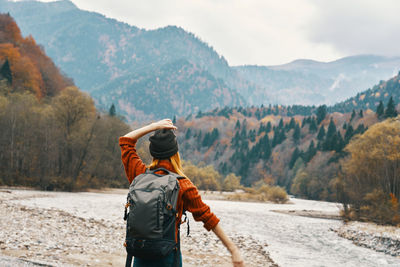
<point x="268" y="32"/>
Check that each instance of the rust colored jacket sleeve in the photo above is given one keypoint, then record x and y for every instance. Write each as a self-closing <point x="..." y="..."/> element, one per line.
<point x="192" y="202"/>
<point x="132" y="163"/>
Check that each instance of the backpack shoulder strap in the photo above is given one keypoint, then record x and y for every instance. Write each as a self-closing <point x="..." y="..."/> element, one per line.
<point x="128" y="262"/>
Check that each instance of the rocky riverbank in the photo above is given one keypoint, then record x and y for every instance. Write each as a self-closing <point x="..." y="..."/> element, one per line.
<point x="61" y="229"/>
<point x="384" y="239"/>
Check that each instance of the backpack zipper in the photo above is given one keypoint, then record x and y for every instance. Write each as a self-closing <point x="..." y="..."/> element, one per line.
<point x="158" y="213"/>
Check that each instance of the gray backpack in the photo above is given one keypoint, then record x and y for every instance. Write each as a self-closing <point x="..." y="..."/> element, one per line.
<point x="152" y="203"/>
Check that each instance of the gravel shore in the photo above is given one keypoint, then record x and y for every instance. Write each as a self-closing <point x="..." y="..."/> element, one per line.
<point x="37" y="236"/>
<point x="380" y="238"/>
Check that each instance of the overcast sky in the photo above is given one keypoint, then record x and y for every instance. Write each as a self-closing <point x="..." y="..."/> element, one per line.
<point x="269" y="32"/>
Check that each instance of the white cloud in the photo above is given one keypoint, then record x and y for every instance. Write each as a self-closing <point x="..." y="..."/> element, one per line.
<point x="358" y="26"/>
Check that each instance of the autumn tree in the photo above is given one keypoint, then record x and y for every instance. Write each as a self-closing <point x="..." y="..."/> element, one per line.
<point x="371" y="173"/>
<point x="205" y="178"/>
<point x="75" y="115"/>
<point x="231" y="182"/>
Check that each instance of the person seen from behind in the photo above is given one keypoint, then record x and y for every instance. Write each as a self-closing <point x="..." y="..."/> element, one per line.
<point x="164" y="150"/>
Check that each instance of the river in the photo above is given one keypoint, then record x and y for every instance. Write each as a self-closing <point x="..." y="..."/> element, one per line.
<point x="295" y="240"/>
<point x="292" y="240"/>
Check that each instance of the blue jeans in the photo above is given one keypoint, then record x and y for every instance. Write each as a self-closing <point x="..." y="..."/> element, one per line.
<point x="168" y="261"/>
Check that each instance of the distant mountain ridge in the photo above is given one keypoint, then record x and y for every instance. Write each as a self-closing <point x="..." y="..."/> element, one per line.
<point x="103" y="55"/>
<point x="163" y="92"/>
<point x="309" y="82"/>
<point x="369" y="99"/>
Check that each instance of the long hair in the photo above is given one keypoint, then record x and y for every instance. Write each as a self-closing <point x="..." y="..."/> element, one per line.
<point x="175" y="161"/>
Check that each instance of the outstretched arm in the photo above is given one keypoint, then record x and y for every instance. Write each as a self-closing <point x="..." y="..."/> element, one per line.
<point x="237" y="259"/>
<point x="162" y="124"/>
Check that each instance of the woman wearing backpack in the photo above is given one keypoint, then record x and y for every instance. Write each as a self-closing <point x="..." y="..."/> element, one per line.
<point x="164" y="149"/>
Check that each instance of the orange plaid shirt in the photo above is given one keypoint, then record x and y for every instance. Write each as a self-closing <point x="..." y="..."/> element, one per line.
<point x="188" y="197"/>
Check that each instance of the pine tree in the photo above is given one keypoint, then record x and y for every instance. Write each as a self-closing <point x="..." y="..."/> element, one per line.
<point x="265" y="147"/>
<point x="380" y="110"/>
<point x="188" y="133"/>
<point x="303" y="123"/>
<point x="296" y="133"/>
<point x="235" y="140"/>
<point x="292" y="123"/>
<point x="353" y="115"/>
<point x="279" y="136"/>
<point x="349" y="134"/>
<point x="5" y="72"/>
<point x="174" y="120"/>
<point x="360" y="129"/>
<point x="214" y="135"/>
<point x="321" y="113"/>
<point x="280" y="125"/>
<point x="243" y="133"/>
<point x="112" y="111"/>
<point x="331" y="137"/>
<point x="237" y="126"/>
<point x="198" y="136"/>
<point x="390" y="109"/>
<point x="361" y="114"/>
<point x="295" y="155"/>
<point x="321" y="133"/>
<point x="331" y="129"/>
<point x="269" y="126"/>
<point x="339" y="142"/>
<point x="313" y="126"/>
<point x="252" y="135"/>
<point x="312" y="150"/>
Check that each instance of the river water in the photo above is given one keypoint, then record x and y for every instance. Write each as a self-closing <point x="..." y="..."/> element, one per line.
<point x="292" y="240"/>
<point x="295" y="240"/>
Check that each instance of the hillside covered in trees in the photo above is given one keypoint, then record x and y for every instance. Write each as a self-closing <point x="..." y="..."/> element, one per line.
<point x="296" y="147"/>
<point x="52" y="136"/>
<point x="372" y="97"/>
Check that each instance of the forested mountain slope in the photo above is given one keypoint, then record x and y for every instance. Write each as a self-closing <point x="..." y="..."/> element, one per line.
<point x="370" y="98"/>
<point x="102" y="54"/>
<point x="297" y="147"/>
<point x="52" y="137"/>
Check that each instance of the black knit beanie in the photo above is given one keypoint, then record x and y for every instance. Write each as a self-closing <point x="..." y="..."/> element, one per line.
<point x="163" y="144"/>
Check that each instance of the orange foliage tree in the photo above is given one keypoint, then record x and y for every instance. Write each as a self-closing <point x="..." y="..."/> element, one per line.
<point x="371" y="174"/>
<point x="31" y="69"/>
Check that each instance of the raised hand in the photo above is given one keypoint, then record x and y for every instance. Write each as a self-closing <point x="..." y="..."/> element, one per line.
<point x="164" y="124"/>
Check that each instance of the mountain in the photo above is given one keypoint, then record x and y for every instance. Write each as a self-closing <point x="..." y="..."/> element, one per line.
<point x="96" y="50"/>
<point x="369" y="99"/>
<point x="309" y="82"/>
<point x="103" y="55"/>
<point x="180" y="87"/>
